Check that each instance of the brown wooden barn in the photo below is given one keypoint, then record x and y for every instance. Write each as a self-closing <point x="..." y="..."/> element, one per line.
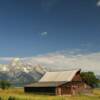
<point x="59" y="83"/>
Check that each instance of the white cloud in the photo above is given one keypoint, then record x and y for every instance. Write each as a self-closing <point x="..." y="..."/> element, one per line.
<point x="44" y="33"/>
<point x="69" y="60"/>
<point x="66" y="60"/>
<point x="98" y="3"/>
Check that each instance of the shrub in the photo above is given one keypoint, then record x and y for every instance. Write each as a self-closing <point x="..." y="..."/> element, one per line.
<point x="4" y="84"/>
<point x="89" y="78"/>
<point x="0" y="98"/>
<point x="11" y="98"/>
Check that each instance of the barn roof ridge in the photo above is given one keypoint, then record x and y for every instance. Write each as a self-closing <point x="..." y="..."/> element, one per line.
<point x="65" y="70"/>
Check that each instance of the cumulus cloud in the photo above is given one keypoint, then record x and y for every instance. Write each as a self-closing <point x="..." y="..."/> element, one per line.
<point x="59" y="60"/>
<point x="44" y="33"/>
<point x="66" y="60"/>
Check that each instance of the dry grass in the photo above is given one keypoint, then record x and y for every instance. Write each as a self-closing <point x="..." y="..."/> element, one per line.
<point x="96" y="92"/>
<point x="19" y="94"/>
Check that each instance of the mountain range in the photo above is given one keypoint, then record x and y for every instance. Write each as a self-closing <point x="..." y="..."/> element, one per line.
<point x="20" y="73"/>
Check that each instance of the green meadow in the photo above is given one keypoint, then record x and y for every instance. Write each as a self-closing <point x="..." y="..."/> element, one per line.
<point x="18" y="94"/>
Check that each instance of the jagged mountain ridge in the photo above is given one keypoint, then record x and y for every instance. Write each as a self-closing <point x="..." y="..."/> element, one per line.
<point x="20" y="73"/>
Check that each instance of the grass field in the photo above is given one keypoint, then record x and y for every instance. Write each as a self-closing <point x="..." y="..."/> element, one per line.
<point x="19" y="94"/>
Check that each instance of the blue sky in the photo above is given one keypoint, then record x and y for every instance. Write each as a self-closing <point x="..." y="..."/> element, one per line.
<point x="54" y="33"/>
<point x="37" y="27"/>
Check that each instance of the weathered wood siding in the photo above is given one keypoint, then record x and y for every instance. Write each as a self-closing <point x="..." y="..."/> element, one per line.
<point x="73" y="87"/>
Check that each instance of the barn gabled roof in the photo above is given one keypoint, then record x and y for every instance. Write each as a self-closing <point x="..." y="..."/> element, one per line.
<point x="60" y="76"/>
<point x="54" y="79"/>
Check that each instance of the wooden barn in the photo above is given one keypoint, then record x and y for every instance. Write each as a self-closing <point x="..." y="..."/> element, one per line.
<point x="59" y="83"/>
